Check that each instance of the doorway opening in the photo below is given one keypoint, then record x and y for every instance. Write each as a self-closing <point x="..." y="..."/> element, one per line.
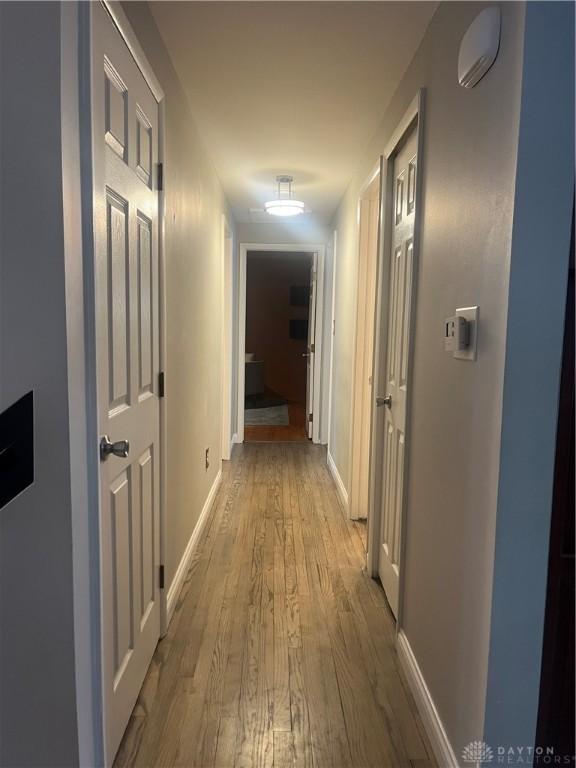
<point x="368" y="238"/>
<point x="280" y="314"/>
<point x="556" y="704"/>
<point x="280" y="342"/>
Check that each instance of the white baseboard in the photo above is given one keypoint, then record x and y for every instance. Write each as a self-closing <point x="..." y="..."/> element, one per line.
<point x="233" y="442"/>
<point x="431" y="719"/>
<point x="342" y="492"/>
<point x="182" y="570"/>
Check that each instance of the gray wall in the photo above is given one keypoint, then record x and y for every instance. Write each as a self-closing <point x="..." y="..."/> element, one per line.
<point x="535" y="325"/>
<point x="194" y="207"/>
<point x="309" y="229"/>
<point x="468" y="173"/>
<point x="37" y="686"/>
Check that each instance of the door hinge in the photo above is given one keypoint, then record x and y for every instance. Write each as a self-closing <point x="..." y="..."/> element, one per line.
<point x="310" y="417"/>
<point x="312" y="348"/>
<point x="161" y="384"/>
<point x="160" y="176"/>
<point x="161" y="576"/>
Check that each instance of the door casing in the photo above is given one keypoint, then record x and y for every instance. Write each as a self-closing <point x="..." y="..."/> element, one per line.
<point x="414" y="115"/>
<point x="319" y="391"/>
<point x="227" y="335"/>
<point x="331" y="316"/>
<point x="311" y="384"/>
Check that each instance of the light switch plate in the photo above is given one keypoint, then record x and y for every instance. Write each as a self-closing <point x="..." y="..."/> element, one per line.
<point x="471" y="314"/>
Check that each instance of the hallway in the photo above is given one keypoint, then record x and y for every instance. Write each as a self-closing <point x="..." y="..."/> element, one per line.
<point x="281" y="650"/>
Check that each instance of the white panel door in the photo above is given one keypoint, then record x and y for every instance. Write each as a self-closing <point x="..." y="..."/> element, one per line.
<point x="125" y="145"/>
<point x="397" y="357"/>
<point x="311" y="352"/>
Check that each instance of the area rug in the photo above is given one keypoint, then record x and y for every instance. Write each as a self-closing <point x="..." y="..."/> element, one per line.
<point x="277" y="416"/>
<point x="263" y="401"/>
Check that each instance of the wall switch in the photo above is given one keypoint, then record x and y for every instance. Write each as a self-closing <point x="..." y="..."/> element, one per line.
<point x="461" y="333"/>
<point x="456" y="333"/>
<point x="471" y="315"/>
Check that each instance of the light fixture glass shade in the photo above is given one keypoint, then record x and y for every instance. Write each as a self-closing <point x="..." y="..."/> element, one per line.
<point x="285" y="207"/>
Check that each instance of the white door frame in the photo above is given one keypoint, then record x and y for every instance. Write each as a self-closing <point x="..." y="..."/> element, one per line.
<point x="332" y="331"/>
<point x="319" y="390"/>
<point x="77" y="110"/>
<point x="414" y="114"/>
<point x="227" y="335"/>
<point x="374" y="173"/>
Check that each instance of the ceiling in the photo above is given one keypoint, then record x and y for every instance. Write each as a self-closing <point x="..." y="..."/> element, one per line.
<point x="289" y="87"/>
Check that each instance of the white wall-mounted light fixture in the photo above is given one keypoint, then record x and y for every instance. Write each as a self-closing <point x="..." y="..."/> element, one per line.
<point x="284" y="205"/>
<point x="479" y="47"/>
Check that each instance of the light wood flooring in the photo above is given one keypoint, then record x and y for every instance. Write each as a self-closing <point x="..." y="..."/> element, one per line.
<point x="281" y="649"/>
<point x="295" y="431"/>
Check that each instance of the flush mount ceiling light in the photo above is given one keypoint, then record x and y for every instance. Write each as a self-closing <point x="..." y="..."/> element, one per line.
<point x="284" y="205"/>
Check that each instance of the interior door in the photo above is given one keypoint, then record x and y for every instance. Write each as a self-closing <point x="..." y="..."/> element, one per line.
<point x="397" y="356"/>
<point x="125" y="146"/>
<point x="311" y="347"/>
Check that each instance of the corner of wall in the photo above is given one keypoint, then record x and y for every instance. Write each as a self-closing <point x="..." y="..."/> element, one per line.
<point x="538" y="279"/>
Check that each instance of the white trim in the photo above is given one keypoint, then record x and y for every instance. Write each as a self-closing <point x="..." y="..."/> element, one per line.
<point x="164" y="401"/>
<point x="184" y="565"/>
<point x="233" y="441"/>
<point x="320" y="390"/>
<point x="414" y="112"/>
<point x="84" y="505"/>
<point x="227" y="247"/>
<point x="332" y="334"/>
<point x="241" y="360"/>
<point x="340" y="487"/>
<point x="318" y="349"/>
<point x="431" y="720"/>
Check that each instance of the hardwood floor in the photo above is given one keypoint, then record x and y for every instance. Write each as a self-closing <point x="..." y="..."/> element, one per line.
<point x="293" y="432"/>
<point x="281" y="649"/>
<point x="361" y="527"/>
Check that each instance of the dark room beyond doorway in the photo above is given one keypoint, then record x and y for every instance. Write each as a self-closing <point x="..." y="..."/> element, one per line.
<point x="277" y="316"/>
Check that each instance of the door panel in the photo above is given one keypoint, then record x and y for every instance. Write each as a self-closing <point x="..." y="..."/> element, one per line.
<point x="117" y="310"/>
<point x="121" y="525"/>
<point x="125" y="146"/>
<point x="396" y="380"/>
<point x="146" y="488"/>
<point x="146" y="301"/>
